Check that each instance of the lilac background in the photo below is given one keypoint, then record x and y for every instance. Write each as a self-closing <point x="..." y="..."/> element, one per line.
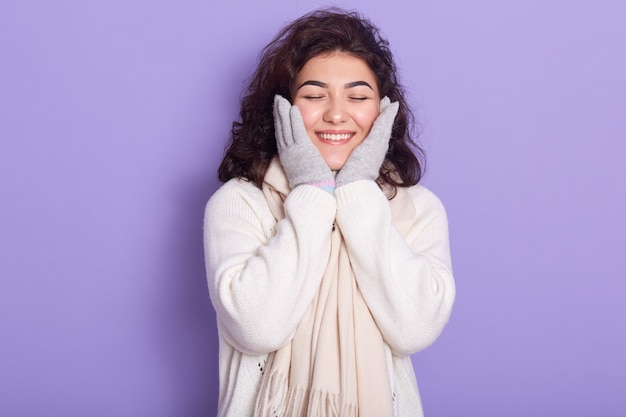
<point x="113" y="118"/>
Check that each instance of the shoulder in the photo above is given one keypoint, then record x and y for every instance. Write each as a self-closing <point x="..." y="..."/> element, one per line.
<point x="430" y="217"/>
<point x="235" y="191"/>
<point x="237" y="198"/>
<point x="236" y="186"/>
<point x="425" y="200"/>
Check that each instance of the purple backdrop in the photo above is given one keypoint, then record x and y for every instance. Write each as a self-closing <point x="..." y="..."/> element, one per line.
<point x="113" y="119"/>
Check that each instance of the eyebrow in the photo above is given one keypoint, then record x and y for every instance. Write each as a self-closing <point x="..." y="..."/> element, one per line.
<point x="324" y="85"/>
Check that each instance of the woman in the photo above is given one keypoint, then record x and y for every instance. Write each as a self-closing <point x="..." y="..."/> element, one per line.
<point x="328" y="265"/>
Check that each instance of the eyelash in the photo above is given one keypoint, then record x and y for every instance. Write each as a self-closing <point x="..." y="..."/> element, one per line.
<point x="314" y="97"/>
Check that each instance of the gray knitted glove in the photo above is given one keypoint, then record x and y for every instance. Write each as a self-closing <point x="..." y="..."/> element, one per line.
<point x="300" y="159"/>
<point x="367" y="158"/>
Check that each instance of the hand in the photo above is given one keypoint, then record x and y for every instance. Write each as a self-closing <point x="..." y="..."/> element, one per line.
<point x="366" y="159"/>
<point x="302" y="162"/>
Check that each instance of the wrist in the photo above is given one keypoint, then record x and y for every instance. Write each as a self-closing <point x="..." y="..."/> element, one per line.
<point x="326" y="185"/>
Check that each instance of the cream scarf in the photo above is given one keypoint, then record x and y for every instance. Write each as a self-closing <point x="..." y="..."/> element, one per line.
<point x="335" y="364"/>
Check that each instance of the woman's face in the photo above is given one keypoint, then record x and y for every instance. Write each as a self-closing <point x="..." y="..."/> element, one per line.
<point x="339" y="100"/>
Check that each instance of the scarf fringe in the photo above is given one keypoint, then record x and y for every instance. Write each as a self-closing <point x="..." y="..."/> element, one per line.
<point x="324" y="404"/>
<point x="273" y="390"/>
<point x="300" y="402"/>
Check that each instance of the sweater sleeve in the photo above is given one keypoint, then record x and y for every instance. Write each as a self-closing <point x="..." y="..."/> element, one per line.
<point x="263" y="275"/>
<point x="406" y="281"/>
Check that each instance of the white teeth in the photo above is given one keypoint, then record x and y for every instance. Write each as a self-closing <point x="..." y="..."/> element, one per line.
<point x="335" y="137"/>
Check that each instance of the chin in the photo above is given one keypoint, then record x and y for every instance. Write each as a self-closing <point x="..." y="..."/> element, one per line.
<point x="335" y="160"/>
<point x="334" y="164"/>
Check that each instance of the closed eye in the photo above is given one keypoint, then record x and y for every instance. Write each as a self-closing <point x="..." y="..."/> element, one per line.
<point x="313" y="96"/>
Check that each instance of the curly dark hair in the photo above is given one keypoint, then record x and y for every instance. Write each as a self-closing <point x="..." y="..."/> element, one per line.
<point x="252" y="144"/>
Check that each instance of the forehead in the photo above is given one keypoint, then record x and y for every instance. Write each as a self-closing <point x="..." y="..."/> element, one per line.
<point x="336" y="67"/>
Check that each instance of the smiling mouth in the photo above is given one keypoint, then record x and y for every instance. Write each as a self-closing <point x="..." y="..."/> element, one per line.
<point x="335" y="137"/>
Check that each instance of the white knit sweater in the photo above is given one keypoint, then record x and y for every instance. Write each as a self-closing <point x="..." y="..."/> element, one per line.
<point x="263" y="275"/>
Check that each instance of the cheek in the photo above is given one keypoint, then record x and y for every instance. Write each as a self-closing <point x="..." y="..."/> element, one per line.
<point x="367" y="117"/>
<point x="309" y="114"/>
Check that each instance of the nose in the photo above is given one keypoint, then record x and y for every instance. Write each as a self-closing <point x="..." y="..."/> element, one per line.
<point x="336" y="112"/>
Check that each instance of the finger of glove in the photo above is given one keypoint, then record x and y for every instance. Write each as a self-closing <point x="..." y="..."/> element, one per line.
<point x="384" y="103"/>
<point x="381" y="130"/>
<point x="282" y="122"/>
<point x="300" y="134"/>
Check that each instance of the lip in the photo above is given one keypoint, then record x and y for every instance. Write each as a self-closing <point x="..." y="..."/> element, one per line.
<point x="342" y="136"/>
